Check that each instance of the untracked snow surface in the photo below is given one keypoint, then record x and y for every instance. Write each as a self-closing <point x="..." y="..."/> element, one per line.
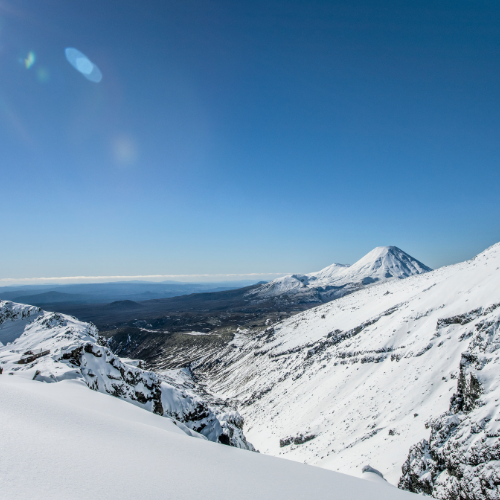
<point x="63" y="441"/>
<point x="337" y="280"/>
<point x="354" y="382"/>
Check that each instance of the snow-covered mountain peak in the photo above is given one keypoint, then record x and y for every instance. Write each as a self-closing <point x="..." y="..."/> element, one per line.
<point x="386" y="263"/>
<point x="337" y="280"/>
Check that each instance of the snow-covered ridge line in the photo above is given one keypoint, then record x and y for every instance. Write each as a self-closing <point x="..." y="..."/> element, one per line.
<point x="17" y="311"/>
<point x="337" y="280"/>
<point x="70" y="349"/>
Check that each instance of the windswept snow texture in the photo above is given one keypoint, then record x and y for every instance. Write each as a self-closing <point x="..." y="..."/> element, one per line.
<point x="55" y="347"/>
<point x="361" y="376"/>
<point x="337" y="280"/>
<point x="62" y="441"/>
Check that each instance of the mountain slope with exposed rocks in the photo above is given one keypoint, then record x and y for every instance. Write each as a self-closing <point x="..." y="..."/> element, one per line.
<point x="361" y="380"/>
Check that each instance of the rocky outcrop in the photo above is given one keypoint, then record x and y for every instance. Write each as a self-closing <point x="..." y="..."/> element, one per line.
<point x="300" y="439"/>
<point x="232" y="428"/>
<point x="74" y="350"/>
<point x="230" y="420"/>
<point x="461" y="459"/>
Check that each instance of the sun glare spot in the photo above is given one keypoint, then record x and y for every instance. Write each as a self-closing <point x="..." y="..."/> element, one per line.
<point x="124" y="150"/>
<point x="83" y="65"/>
<point x="42" y="75"/>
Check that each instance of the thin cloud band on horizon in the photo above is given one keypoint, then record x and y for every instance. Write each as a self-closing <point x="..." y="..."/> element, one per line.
<point x="66" y="278"/>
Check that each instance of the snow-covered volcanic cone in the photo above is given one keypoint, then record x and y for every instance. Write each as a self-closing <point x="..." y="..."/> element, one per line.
<point x="336" y="280"/>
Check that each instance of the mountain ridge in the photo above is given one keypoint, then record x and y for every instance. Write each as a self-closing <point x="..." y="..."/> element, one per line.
<point x="51" y="347"/>
<point x="365" y="379"/>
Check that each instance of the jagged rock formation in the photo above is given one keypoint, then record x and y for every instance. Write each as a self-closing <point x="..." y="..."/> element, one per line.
<point x="229" y="418"/>
<point x="13" y="319"/>
<point x="461" y="460"/>
<point x="54" y="347"/>
<point x="232" y="425"/>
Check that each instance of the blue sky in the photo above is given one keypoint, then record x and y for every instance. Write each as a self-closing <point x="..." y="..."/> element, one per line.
<point x="234" y="137"/>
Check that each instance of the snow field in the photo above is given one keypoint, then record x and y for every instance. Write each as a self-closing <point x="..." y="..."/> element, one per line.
<point x="63" y="441"/>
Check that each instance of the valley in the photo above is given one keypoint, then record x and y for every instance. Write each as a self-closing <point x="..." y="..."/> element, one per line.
<point x="399" y="375"/>
<point x="160" y="331"/>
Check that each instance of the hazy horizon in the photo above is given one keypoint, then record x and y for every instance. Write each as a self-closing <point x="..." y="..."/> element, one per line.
<point x="190" y="279"/>
<point x="179" y="278"/>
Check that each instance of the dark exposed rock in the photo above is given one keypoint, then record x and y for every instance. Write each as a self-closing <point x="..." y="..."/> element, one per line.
<point x="73" y="356"/>
<point x="300" y="439"/>
<point x="224" y="439"/>
<point x="31" y="356"/>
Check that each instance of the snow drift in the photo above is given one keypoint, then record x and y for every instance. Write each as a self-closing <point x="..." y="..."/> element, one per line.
<point x="63" y="441"/>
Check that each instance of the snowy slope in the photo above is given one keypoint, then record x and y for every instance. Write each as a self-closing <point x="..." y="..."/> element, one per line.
<point x="353" y="382"/>
<point x="52" y="347"/>
<point x="62" y="441"/>
<point x="381" y="264"/>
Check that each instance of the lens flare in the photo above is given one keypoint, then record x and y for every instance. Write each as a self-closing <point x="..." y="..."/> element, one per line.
<point x="124" y="150"/>
<point x="43" y="75"/>
<point x="83" y="65"/>
<point x="30" y="59"/>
